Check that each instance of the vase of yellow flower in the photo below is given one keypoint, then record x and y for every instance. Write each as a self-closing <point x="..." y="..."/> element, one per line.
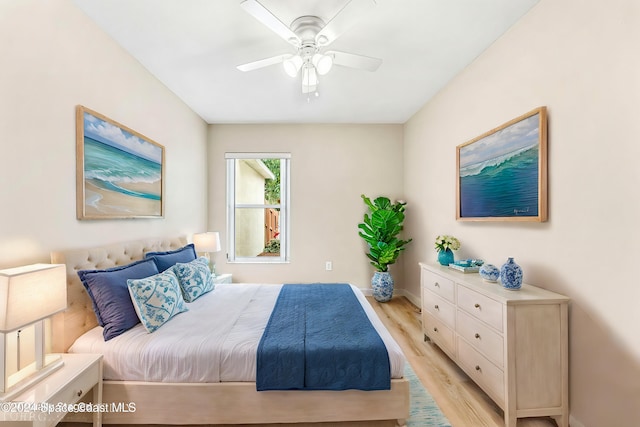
<point x="445" y="245"/>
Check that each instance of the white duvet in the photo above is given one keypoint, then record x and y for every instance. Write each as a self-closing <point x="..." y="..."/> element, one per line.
<point x="215" y="341"/>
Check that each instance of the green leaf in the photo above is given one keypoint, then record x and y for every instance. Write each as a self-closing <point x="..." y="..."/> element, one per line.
<point x="380" y="231"/>
<point x="382" y="203"/>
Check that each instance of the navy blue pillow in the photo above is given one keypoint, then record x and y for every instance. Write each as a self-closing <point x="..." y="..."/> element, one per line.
<point x="109" y="293"/>
<point x="167" y="259"/>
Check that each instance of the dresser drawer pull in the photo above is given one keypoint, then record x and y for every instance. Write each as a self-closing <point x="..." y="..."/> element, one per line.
<point x="478" y="368"/>
<point x="476" y="305"/>
<point x="436" y="307"/>
<point x="436" y="284"/>
<point x="79" y="393"/>
<point x="477" y="336"/>
<point x="435" y="329"/>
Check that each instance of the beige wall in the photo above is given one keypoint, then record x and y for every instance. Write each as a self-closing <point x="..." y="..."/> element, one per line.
<point x="577" y="58"/>
<point x="53" y="58"/>
<point x="331" y="165"/>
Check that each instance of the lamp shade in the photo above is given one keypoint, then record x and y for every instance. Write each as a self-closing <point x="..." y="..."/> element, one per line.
<point x="31" y="293"/>
<point x="207" y="242"/>
<point x="309" y="76"/>
<point x="322" y="63"/>
<point x="292" y="65"/>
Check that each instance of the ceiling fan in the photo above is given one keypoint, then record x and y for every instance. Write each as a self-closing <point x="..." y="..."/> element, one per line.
<point x="310" y="35"/>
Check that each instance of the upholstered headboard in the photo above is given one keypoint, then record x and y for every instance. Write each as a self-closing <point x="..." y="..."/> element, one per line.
<point x="79" y="317"/>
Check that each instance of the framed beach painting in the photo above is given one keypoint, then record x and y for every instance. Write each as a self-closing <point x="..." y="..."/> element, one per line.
<point x="119" y="172"/>
<point x="502" y="174"/>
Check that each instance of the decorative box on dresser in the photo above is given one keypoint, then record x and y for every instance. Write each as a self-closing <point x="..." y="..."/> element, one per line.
<point x="513" y="344"/>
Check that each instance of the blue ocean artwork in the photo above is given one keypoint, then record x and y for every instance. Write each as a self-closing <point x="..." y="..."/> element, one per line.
<point x="122" y="164"/>
<point x="499" y="174"/>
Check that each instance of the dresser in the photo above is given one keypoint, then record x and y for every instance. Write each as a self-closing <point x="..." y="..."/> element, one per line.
<point x="513" y="344"/>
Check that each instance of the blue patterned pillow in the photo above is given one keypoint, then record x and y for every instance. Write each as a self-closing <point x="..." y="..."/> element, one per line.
<point x="195" y="278"/>
<point x="156" y="299"/>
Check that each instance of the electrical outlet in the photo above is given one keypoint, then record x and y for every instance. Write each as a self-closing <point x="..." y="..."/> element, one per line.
<point x="328" y="266"/>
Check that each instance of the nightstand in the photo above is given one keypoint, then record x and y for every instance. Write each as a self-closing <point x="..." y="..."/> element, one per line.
<point x="46" y="402"/>
<point x="222" y="278"/>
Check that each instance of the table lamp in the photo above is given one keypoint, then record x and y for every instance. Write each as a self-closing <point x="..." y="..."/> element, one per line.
<point x="208" y="242"/>
<point x="28" y="295"/>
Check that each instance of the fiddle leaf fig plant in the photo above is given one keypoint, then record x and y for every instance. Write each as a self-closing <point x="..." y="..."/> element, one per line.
<point x="380" y="231"/>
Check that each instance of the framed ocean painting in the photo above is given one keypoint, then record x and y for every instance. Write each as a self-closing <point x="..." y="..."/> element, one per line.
<point x="502" y="174"/>
<point x="119" y="172"/>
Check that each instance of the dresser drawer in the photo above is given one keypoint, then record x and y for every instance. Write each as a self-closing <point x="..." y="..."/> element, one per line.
<point x="439" y="333"/>
<point x="485" y="373"/>
<point x="439" y="285"/>
<point x="480" y="307"/>
<point x="480" y="336"/>
<point x="439" y="308"/>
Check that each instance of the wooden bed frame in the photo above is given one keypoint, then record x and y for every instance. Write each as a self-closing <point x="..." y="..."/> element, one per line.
<point x="205" y="403"/>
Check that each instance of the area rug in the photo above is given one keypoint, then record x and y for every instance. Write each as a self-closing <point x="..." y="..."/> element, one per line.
<point x="424" y="411"/>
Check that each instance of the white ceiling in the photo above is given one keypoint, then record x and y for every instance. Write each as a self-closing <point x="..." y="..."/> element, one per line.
<point x="194" y="46"/>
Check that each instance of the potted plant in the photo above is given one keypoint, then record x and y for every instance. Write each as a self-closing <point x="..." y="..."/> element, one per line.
<point x="272" y="248"/>
<point x="380" y="231"/>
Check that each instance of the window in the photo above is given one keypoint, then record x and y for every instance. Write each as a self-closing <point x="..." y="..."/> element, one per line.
<point x="258" y="207"/>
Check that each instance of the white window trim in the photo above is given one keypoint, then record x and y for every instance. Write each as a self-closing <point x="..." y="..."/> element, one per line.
<point x="285" y="222"/>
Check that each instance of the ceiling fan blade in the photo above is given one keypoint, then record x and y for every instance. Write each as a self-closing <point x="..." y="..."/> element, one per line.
<point x="354" y="61"/>
<point x="268" y="19"/>
<point x="344" y="19"/>
<point x="250" y="66"/>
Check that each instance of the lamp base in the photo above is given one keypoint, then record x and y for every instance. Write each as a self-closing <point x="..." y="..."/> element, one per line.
<point x="212" y="265"/>
<point x="29" y="375"/>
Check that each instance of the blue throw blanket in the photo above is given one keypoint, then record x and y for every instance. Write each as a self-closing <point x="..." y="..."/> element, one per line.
<point x="320" y="338"/>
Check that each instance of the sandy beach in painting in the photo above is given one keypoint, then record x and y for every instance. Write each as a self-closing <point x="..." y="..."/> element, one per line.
<point x="100" y="201"/>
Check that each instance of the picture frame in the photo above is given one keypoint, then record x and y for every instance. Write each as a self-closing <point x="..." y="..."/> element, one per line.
<point x="502" y="174"/>
<point x="119" y="172"/>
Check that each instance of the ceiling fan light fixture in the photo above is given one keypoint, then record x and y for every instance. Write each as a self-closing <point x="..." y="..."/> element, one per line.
<point x="323" y="63"/>
<point x="309" y="77"/>
<point x="323" y="40"/>
<point x="309" y="89"/>
<point x="292" y="65"/>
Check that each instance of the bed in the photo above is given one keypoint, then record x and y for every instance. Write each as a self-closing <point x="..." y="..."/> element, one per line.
<point x="202" y="402"/>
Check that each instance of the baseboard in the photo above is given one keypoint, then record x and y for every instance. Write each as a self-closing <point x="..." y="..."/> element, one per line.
<point x="368" y="292"/>
<point x="575" y="423"/>
<point x="397" y="292"/>
<point x="411" y="297"/>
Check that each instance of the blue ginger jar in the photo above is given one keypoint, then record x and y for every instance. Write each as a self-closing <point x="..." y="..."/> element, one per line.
<point x="489" y="273"/>
<point x="511" y="275"/>
<point x="382" y="284"/>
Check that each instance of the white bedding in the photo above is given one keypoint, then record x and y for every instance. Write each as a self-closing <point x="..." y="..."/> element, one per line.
<point x="215" y="341"/>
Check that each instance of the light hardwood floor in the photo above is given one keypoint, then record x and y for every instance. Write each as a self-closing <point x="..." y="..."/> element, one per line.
<point x="464" y="403"/>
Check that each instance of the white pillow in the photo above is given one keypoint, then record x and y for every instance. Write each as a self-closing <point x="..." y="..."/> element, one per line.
<point x="156" y="299"/>
<point x="195" y="278"/>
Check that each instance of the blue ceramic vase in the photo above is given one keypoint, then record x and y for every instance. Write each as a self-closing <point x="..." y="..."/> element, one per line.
<point x="445" y="257"/>
<point x="489" y="273"/>
<point x="382" y="284"/>
<point x="511" y="275"/>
